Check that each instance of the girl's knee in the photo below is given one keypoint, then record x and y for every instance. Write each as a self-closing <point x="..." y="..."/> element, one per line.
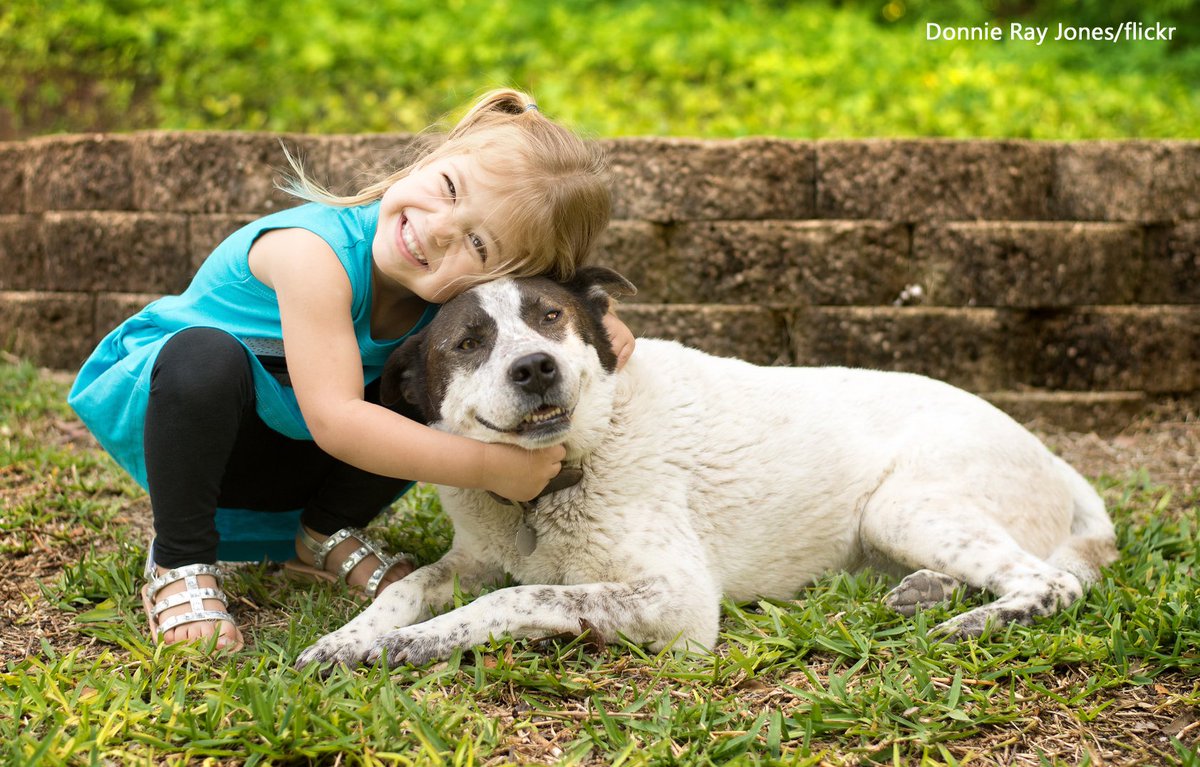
<point x="197" y="363"/>
<point x="202" y="345"/>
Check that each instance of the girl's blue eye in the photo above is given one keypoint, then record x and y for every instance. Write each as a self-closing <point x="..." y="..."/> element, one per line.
<point x="480" y="247"/>
<point x="450" y="187"/>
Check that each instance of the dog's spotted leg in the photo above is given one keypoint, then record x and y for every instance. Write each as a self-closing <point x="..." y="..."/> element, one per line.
<point x="954" y="542"/>
<point x="403" y="603"/>
<point x="922" y="589"/>
<point x="1028" y="588"/>
<point x="639" y="610"/>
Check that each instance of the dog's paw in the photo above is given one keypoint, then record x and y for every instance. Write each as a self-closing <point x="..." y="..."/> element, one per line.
<point x="983" y="621"/>
<point x="970" y="625"/>
<point x="921" y="589"/>
<point x="334" y="649"/>
<point x="409" y="645"/>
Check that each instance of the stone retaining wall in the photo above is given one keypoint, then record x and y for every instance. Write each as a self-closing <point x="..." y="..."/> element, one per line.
<point x="1060" y="279"/>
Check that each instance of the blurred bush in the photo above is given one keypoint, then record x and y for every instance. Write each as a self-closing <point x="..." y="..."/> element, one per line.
<point x="627" y="67"/>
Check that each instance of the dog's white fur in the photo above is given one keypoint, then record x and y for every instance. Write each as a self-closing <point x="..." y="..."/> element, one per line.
<point x="706" y="476"/>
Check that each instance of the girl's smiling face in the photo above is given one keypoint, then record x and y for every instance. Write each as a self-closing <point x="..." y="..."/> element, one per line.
<point x="438" y="228"/>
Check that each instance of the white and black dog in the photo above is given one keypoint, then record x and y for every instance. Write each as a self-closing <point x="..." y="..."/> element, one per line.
<point x="704" y="476"/>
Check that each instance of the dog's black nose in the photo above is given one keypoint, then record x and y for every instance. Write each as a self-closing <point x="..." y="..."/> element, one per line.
<point x="535" y="373"/>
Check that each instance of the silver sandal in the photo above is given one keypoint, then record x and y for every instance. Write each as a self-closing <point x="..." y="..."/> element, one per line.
<point x="193" y="593"/>
<point x="320" y="551"/>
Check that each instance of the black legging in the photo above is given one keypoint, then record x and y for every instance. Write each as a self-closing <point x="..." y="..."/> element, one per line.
<point x="207" y="448"/>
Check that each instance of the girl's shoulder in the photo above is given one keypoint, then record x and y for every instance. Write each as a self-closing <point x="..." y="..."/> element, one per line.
<point x="347" y="230"/>
<point x="337" y="225"/>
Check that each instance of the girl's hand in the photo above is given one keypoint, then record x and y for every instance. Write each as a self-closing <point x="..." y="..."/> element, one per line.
<point x="621" y="337"/>
<point x="519" y="474"/>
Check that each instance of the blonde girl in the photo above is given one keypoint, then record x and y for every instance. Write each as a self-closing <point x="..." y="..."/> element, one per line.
<point x="183" y="396"/>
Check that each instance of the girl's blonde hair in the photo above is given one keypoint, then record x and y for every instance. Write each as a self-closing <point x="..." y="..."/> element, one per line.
<point x="555" y="185"/>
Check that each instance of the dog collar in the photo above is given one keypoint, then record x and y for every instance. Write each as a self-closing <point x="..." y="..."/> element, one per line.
<point x="526" y="541"/>
<point x="568" y="476"/>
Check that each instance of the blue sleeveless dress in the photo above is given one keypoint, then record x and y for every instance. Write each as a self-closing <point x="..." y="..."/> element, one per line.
<point x="112" y="389"/>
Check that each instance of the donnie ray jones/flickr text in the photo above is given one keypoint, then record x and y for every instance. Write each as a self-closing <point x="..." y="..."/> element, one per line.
<point x="1129" y="31"/>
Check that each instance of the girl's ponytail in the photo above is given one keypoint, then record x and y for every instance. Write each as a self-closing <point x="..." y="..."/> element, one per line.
<point x="492" y="108"/>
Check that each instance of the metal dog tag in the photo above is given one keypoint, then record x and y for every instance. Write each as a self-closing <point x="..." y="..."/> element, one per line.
<point x="526" y="538"/>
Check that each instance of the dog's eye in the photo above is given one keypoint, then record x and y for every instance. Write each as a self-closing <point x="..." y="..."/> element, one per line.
<point x="467" y="344"/>
<point x="552" y="316"/>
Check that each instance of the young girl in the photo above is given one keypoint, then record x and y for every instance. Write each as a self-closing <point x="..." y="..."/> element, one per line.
<point x="180" y="401"/>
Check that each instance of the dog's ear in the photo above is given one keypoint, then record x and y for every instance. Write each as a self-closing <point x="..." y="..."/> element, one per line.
<point x="599" y="285"/>
<point x="596" y="287"/>
<point x="402" y="386"/>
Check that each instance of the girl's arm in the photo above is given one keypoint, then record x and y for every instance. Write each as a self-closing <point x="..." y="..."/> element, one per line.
<point x="326" y="371"/>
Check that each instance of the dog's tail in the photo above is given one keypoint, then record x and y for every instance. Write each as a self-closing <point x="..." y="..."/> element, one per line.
<point x="1093" y="541"/>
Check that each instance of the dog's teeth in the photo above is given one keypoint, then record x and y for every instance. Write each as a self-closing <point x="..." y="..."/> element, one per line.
<point x="546" y="416"/>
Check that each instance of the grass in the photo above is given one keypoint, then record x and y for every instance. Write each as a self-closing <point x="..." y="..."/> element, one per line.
<point x="829" y="678"/>
<point x="628" y="67"/>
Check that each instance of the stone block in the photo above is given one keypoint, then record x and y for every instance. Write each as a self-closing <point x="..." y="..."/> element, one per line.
<point x="1029" y="264"/>
<point x="785" y="263"/>
<point x="1145" y="181"/>
<point x="940" y="180"/>
<point x="976" y="349"/>
<point x="102" y="251"/>
<point x="355" y="161"/>
<point x="1148" y="348"/>
<point x="114" y="308"/>
<point x="50" y="329"/>
<point x="1172" y="269"/>
<point x="22" y="255"/>
<point x="750" y="333"/>
<point x="638" y="250"/>
<point x="665" y="179"/>
<point x="12" y="176"/>
<point x="1102" y="412"/>
<point x="83" y="172"/>
<point x="226" y="172"/>
<point x="206" y="232"/>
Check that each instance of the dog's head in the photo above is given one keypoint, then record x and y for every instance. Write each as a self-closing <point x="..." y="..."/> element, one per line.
<point x="521" y="361"/>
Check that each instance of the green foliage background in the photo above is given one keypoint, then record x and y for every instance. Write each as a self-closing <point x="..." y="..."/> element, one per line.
<point x="627" y="67"/>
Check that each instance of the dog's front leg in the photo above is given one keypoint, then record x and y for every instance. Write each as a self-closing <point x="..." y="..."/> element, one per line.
<point x="646" y="611"/>
<point x="405" y="602"/>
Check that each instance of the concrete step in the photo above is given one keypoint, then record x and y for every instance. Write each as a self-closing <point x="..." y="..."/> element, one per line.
<point x="1149" y="348"/>
<point x="1101" y="412"/>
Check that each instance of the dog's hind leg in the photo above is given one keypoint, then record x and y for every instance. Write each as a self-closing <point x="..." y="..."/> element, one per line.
<point x="951" y="540"/>
<point x="922" y="589"/>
